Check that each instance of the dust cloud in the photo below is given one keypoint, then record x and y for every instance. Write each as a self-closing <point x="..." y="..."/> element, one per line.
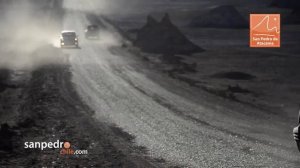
<point x="108" y="7"/>
<point x="26" y="26"/>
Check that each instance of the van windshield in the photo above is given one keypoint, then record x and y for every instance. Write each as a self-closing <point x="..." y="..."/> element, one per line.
<point x="69" y="34"/>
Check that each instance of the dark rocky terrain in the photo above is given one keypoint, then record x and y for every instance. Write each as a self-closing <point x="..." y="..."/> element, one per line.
<point x="4" y="75"/>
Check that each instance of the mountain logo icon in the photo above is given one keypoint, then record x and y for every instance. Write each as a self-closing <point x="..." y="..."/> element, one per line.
<point x="265" y="30"/>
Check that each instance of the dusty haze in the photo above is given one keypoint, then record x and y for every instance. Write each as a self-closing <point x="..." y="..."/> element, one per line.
<point x="25" y="27"/>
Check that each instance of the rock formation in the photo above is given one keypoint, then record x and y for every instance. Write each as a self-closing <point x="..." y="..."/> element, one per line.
<point x="164" y="37"/>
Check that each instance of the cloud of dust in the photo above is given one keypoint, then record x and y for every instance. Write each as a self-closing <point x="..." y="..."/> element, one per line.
<point x="26" y="26"/>
<point x="111" y="6"/>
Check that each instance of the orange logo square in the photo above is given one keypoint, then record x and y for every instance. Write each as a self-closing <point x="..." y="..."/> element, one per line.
<point x="264" y="30"/>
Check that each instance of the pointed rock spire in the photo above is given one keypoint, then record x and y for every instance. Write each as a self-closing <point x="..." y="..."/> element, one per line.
<point x="166" y="20"/>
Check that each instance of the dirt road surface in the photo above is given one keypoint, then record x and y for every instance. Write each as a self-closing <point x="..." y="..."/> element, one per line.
<point x="105" y="99"/>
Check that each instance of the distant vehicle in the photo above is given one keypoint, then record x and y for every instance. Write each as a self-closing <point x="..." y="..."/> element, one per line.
<point x="69" y="38"/>
<point x="92" y="32"/>
<point x="296" y="133"/>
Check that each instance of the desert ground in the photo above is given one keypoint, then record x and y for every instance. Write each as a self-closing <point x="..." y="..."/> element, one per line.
<point x="154" y="91"/>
